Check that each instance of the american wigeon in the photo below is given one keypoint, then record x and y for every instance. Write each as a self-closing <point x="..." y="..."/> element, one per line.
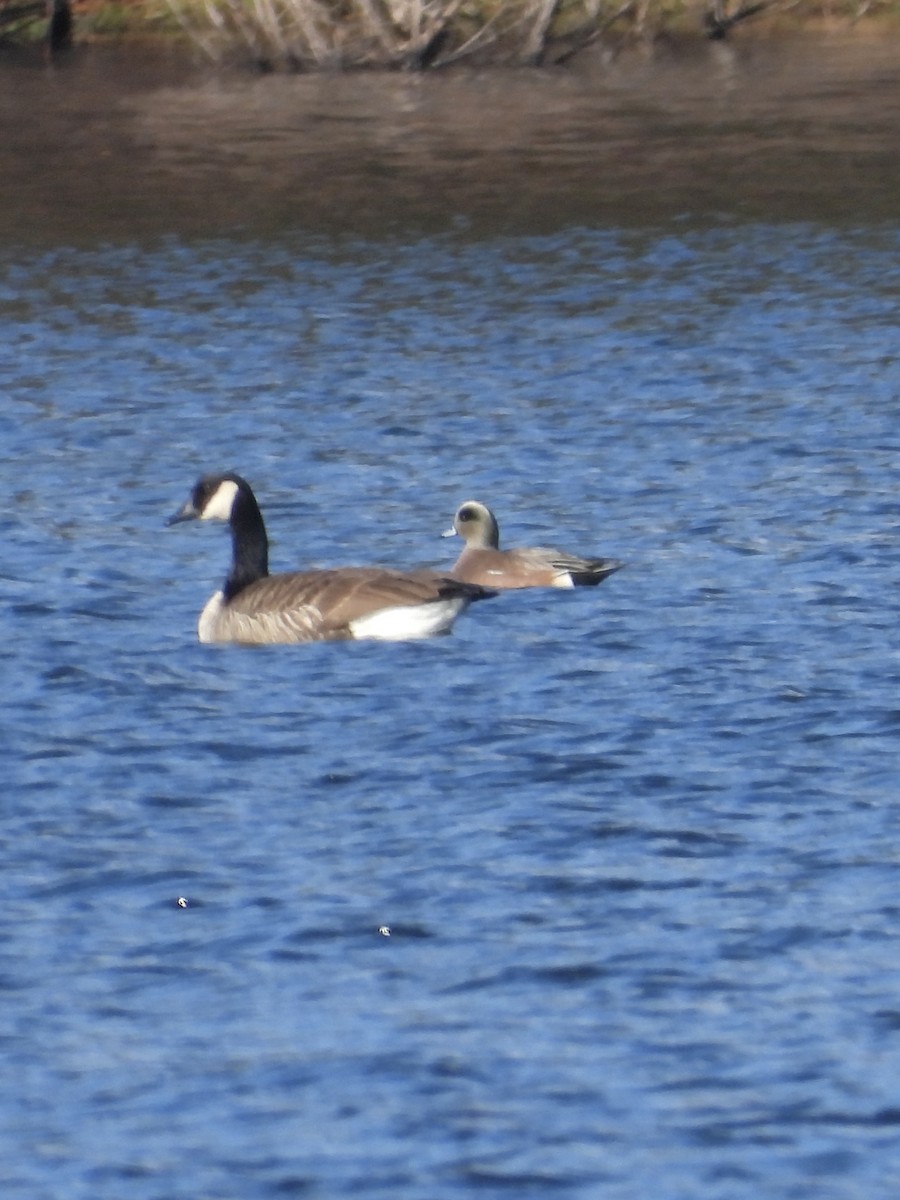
<point x="483" y="562"/>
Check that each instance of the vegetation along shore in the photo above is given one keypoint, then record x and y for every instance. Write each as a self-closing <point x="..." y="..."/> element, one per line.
<point x="302" y="35"/>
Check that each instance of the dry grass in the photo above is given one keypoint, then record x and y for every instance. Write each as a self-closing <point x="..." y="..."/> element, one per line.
<point x="420" y="34"/>
<point x="301" y="35"/>
<point x="399" y="34"/>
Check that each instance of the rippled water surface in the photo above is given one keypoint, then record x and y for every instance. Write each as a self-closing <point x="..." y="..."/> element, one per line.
<point x="636" y="847"/>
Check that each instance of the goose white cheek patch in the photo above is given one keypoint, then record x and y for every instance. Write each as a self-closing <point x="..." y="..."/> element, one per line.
<point x="219" y="505"/>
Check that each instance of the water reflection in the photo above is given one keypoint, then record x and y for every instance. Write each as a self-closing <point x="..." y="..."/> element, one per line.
<point x="111" y="148"/>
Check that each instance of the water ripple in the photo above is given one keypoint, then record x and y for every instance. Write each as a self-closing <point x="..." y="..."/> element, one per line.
<point x="598" y="891"/>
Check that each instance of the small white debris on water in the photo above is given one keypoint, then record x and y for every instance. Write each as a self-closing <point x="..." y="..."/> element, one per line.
<point x="182" y="902"/>
<point x="384" y="930"/>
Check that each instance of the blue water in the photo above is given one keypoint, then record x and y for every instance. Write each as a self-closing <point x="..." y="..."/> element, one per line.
<point x="636" y="847"/>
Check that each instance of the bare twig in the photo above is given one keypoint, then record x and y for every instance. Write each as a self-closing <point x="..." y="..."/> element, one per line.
<point x="376" y="25"/>
<point x="536" y="40"/>
<point x="719" y="24"/>
<point x="417" y="34"/>
<point x="486" y="35"/>
<point x="317" y="31"/>
<point x="588" y="33"/>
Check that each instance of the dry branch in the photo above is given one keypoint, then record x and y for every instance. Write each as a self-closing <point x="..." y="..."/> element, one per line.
<point x="415" y="34"/>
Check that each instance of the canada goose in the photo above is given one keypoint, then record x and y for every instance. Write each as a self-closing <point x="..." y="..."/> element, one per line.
<point x="312" y="606"/>
<point x="482" y="561"/>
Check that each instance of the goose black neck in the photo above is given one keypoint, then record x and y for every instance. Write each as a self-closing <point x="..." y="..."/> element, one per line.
<point x="249" y="544"/>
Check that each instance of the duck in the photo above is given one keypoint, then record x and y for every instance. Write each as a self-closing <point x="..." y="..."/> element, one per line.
<point x="332" y="604"/>
<point x="483" y="562"/>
